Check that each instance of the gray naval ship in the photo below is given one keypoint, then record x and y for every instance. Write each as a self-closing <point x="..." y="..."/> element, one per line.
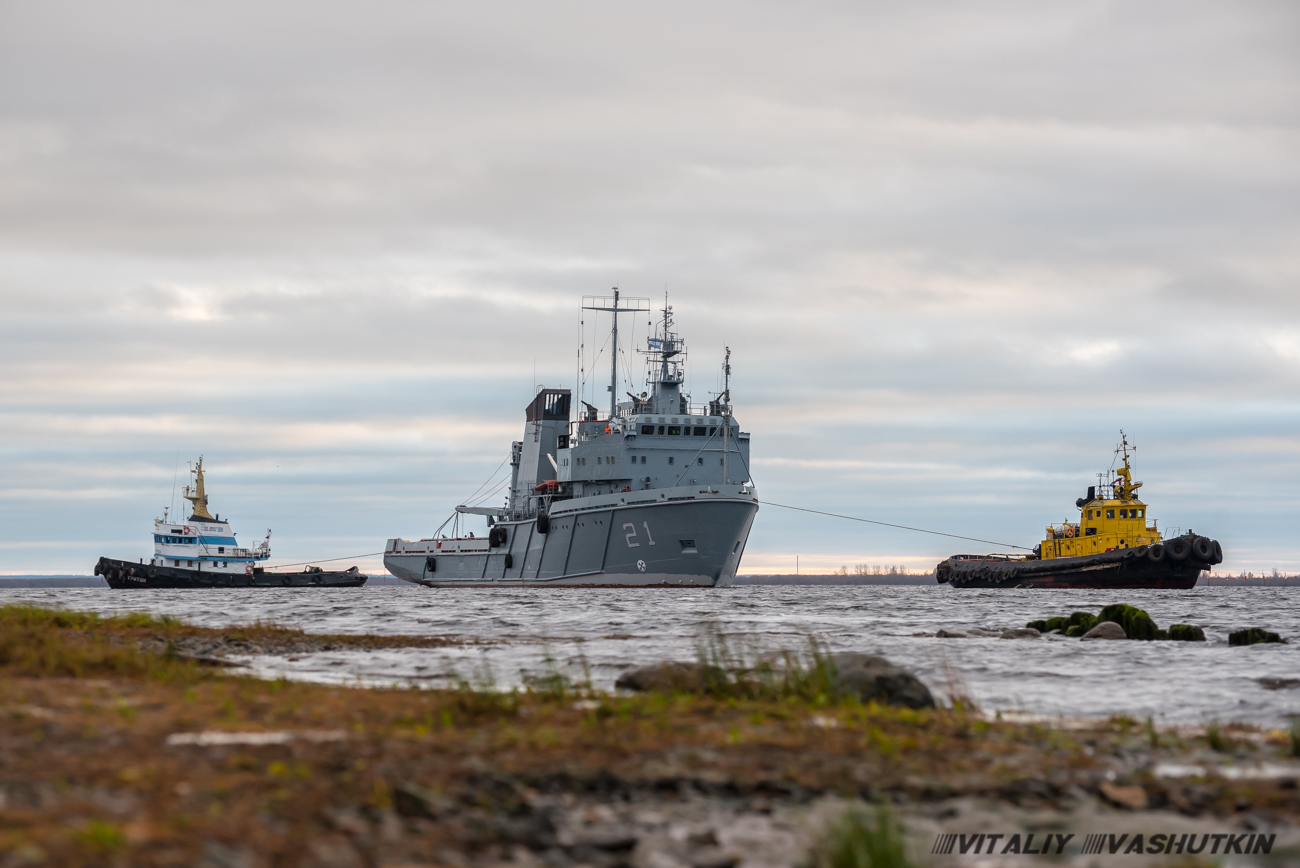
<point x="657" y="494"/>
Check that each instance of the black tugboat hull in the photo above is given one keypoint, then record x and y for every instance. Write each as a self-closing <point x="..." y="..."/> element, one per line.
<point x="1122" y="569"/>
<point x="124" y="574"/>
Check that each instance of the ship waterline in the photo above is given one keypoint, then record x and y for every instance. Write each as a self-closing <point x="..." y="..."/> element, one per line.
<point x="677" y="537"/>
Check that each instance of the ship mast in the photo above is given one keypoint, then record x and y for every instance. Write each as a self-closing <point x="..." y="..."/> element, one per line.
<point x="614" y="308"/>
<point x="199" y="498"/>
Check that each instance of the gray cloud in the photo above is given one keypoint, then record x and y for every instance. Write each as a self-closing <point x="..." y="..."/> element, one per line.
<point x="954" y="250"/>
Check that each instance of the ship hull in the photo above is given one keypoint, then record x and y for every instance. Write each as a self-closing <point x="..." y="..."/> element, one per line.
<point x="125" y="574"/>
<point x="1125" y="569"/>
<point x="631" y="540"/>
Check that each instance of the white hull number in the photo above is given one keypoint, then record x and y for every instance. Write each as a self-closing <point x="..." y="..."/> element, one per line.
<point x="631" y="534"/>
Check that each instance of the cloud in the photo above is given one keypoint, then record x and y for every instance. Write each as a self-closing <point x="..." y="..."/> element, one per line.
<point x="953" y="249"/>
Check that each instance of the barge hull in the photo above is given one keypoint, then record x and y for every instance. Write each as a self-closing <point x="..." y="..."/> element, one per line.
<point x="124" y="574"/>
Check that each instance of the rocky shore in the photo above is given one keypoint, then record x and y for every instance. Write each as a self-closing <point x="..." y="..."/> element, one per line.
<point x="115" y="750"/>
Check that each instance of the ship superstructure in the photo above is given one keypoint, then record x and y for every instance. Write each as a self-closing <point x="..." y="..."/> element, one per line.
<point x="203" y="552"/>
<point x="204" y="542"/>
<point x="657" y="492"/>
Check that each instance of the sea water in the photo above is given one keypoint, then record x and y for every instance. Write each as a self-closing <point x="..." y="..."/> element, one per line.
<point x="503" y="637"/>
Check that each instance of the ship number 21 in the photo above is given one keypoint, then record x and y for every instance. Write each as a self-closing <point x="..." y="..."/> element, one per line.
<point x="631" y="534"/>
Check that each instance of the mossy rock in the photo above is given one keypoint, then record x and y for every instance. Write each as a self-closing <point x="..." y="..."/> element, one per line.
<point x="1137" y="624"/>
<point x="1076" y="624"/>
<point x="1254" y="636"/>
<point x="1186" y="633"/>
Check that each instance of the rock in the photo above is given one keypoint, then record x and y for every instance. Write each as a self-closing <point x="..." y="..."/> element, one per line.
<point x="1021" y="633"/>
<point x="607" y="839"/>
<point x="1253" y="636"/>
<point x="1076" y="624"/>
<point x="875" y="679"/>
<point x="1279" y="683"/>
<point x="413" y="800"/>
<point x="1133" y="798"/>
<point x="666" y="677"/>
<point x="1137" y="624"/>
<point x="950" y="634"/>
<point x="713" y="857"/>
<point x="1106" y="630"/>
<point x="218" y="855"/>
<point x="1186" y="633"/>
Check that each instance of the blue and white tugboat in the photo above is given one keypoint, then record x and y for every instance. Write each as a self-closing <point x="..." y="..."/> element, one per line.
<point x="202" y="552"/>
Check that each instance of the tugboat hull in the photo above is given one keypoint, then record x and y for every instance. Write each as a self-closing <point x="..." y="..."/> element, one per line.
<point x="1121" y="569"/>
<point x="124" y="574"/>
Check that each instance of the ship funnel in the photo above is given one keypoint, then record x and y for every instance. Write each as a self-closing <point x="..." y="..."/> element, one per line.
<point x="1092" y="493"/>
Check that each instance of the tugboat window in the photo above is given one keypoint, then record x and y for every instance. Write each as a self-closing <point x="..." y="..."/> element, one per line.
<point x="1110" y="513"/>
<point x="1123" y="513"/>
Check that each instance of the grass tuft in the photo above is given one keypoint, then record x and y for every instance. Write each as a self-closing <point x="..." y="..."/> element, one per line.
<point x="730" y="671"/>
<point x="860" y="840"/>
<point x="100" y="836"/>
<point x="56" y="643"/>
<point x="1216" y="739"/>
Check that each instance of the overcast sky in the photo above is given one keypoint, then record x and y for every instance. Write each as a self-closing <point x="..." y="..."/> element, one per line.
<point x="953" y="247"/>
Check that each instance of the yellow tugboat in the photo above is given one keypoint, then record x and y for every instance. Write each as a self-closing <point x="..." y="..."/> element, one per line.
<point x="1112" y="545"/>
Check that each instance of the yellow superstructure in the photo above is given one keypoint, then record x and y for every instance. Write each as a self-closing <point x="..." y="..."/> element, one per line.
<point x="1106" y="523"/>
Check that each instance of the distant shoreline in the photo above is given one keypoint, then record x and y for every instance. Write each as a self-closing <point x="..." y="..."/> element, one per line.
<point x="740" y="581"/>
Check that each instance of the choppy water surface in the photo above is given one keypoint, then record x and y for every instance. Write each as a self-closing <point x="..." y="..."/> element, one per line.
<point x="506" y="634"/>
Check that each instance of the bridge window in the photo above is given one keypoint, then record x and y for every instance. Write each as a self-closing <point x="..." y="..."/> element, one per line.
<point x="1110" y="513"/>
<point x="661" y="429"/>
<point x="643" y="459"/>
<point x="674" y="429"/>
<point x="647" y="429"/>
<point x="1142" y="513"/>
<point x="701" y="431"/>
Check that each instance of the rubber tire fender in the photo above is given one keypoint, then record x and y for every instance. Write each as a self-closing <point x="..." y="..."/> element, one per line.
<point x="543" y="523"/>
<point x="1156" y="553"/>
<point x="431" y="564"/>
<point x="1218" y="552"/>
<point x="1178" y="549"/>
<point x="1203" y="549"/>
